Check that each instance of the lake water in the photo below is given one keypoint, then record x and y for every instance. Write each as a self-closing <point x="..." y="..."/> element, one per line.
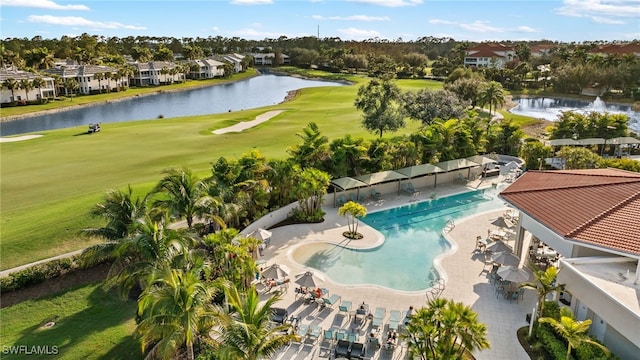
<point x="252" y="93"/>
<point x="551" y="108"/>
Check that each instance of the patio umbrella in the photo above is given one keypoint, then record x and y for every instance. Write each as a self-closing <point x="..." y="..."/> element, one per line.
<point x="501" y="222"/>
<point x="513" y="274"/>
<point x="498" y="247"/>
<point x="262" y="234"/>
<point x="505" y="258"/>
<point x="275" y="271"/>
<point x="308" y="279"/>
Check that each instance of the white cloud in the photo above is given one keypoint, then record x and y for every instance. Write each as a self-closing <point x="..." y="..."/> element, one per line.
<point x="42" y="4"/>
<point x="441" y="22"/>
<point x="251" y="2"/>
<point x="254" y="34"/>
<point x="358" y="34"/>
<point x="526" y="29"/>
<point x="352" y="18"/>
<point x="390" y="3"/>
<point x="601" y="11"/>
<point x="480" y="26"/>
<point x="80" y="21"/>
<point x="215" y="28"/>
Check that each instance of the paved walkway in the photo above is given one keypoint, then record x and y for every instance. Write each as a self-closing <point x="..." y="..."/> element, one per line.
<point x="467" y="282"/>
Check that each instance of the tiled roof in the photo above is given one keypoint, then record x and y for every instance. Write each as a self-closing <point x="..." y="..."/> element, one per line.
<point x="488" y="50"/>
<point x="600" y="206"/>
<point x="629" y="48"/>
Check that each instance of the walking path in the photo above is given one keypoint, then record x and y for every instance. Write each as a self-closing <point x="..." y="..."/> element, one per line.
<point x="243" y="125"/>
<point x="467" y="282"/>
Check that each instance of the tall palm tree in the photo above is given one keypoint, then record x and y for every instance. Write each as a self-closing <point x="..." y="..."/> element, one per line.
<point x="246" y="330"/>
<point x="27" y="86"/>
<point x="11" y="84"/>
<point x="176" y="310"/>
<point x="572" y="330"/>
<point x="186" y="195"/>
<point x="544" y="285"/>
<point x="38" y="83"/>
<point x="313" y="150"/>
<point x="121" y="211"/>
<point x="492" y="95"/>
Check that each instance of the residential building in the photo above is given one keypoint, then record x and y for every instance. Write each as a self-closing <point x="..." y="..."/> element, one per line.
<point x="267" y="59"/>
<point x="233" y="59"/>
<point x="618" y="49"/>
<point x="92" y="79"/>
<point x="19" y="93"/>
<point x="591" y="218"/>
<point x="489" y="55"/>
<point x="207" y="68"/>
<point x="156" y="73"/>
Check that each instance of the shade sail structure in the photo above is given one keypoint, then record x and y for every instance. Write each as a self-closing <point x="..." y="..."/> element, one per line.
<point x="482" y="160"/>
<point x="419" y="170"/>
<point x="501" y="222"/>
<point x="275" y="271"/>
<point x="623" y="140"/>
<point x="563" y="142"/>
<point x="456" y="164"/>
<point x="347" y="183"/>
<point x="591" y="141"/>
<point x="380" y="177"/>
<point x="513" y="273"/>
<point x="308" y="279"/>
<point x="498" y="246"/>
<point x="505" y="258"/>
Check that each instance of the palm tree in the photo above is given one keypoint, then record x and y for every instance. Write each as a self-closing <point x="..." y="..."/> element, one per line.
<point x="444" y="330"/>
<point x="70" y="85"/>
<point x="11" y="84"/>
<point x="313" y="150"/>
<point x="246" y="330"/>
<point x="544" y="285"/>
<point x="572" y="330"/>
<point x="121" y="211"/>
<point x="352" y="211"/>
<point x="492" y="95"/>
<point x="186" y="195"/>
<point x="27" y="86"/>
<point x="38" y="83"/>
<point x="177" y="309"/>
<point x="231" y="256"/>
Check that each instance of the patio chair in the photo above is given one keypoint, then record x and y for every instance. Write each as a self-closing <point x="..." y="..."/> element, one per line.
<point x="375" y="194"/>
<point x="461" y="179"/>
<point x="521" y="293"/>
<point x="394" y="319"/>
<point x="353" y="197"/>
<point x="332" y="300"/>
<point x="378" y="317"/>
<point x="345" y="307"/>
<point x="411" y="188"/>
<point x="362" y="197"/>
<point x="342" y="349"/>
<point x="302" y="331"/>
<point x="341" y="334"/>
<point x="314" y="332"/>
<point x="352" y="337"/>
<point x="329" y="336"/>
<point x="279" y="315"/>
<point x="358" y="350"/>
<point x="342" y="200"/>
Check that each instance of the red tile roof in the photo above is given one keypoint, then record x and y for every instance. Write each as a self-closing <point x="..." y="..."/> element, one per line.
<point x="488" y="50"/>
<point x="600" y="206"/>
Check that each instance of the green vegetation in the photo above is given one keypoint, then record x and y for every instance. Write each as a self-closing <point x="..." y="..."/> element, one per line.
<point x="89" y="324"/>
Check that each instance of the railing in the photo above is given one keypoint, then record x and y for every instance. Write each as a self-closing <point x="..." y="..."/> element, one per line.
<point x="449" y="226"/>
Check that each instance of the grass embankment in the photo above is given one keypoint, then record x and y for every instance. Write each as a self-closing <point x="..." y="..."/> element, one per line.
<point x="49" y="184"/>
<point x="135" y="91"/>
<point x="89" y="324"/>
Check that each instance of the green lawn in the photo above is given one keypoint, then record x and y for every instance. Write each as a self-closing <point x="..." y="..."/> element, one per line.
<point x="49" y="184"/>
<point x="89" y="324"/>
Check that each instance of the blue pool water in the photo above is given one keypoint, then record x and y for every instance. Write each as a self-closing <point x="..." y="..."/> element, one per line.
<point x="413" y="239"/>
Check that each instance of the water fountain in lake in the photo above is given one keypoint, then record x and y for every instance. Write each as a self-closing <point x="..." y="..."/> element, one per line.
<point x="551" y="108"/>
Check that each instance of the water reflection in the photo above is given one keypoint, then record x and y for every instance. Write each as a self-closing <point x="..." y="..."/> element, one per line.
<point x="551" y="108"/>
<point x="252" y="93"/>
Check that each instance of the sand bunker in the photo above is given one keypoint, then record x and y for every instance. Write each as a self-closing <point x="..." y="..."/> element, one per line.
<point x="248" y="124"/>
<point x="18" y="138"/>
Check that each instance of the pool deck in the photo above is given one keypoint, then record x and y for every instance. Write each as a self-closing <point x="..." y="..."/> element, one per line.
<point x="466" y="281"/>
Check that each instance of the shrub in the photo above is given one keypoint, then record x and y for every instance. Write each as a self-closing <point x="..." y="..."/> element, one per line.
<point x="555" y="347"/>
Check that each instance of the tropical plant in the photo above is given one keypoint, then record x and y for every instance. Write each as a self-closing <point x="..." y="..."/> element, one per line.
<point x="572" y="330"/>
<point x="492" y="95"/>
<point x="176" y="310"/>
<point x="121" y="211"/>
<point x="231" y="256"/>
<point x="26" y="85"/>
<point x="445" y="329"/>
<point x="544" y="285"/>
<point x="314" y="149"/>
<point x="352" y="211"/>
<point x="379" y="100"/>
<point x="246" y="330"/>
<point x="310" y="187"/>
<point x="11" y="84"/>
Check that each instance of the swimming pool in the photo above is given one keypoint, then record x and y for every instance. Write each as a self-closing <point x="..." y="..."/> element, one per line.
<point x="413" y="240"/>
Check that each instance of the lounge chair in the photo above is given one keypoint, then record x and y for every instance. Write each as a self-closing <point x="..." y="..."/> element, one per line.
<point x="279" y="315"/>
<point x="461" y="179"/>
<point x="341" y="335"/>
<point x="329" y="336"/>
<point x="342" y="200"/>
<point x="358" y="350"/>
<point x="314" y="332"/>
<point x="303" y="330"/>
<point x="362" y="197"/>
<point x="411" y="188"/>
<point x="353" y="197"/>
<point x="375" y="194"/>
<point x="394" y="319"/>
<point x="342" y="349"/>
<point x="352" y="337"/>
<point x="378" y="317"/>
<point x="345" y="307"/>
<point x="332" y="300"/>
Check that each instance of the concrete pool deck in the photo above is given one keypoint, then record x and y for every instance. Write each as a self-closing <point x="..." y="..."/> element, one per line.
<point x="467" y="282"/>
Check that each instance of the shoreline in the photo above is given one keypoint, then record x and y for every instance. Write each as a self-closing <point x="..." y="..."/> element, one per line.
<point x="4" y="119"/>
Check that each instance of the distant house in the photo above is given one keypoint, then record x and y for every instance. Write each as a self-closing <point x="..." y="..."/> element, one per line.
<point x="541" y="50"/>
<point x="207" y="68"/>
<point x="618" y="49"/>
<point x="20" y="94"/>
<point x="267" y="59"/>
<point x="489" y="55"/>
<point x="591" y="221"/>
<point x="234" y="59"/>
<point x="156" y="73"/>
<point x="88" y="77"/>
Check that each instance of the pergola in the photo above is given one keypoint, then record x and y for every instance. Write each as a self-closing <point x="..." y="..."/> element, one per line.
<point x="457" y="164"/>
<point x="382" y="177"/>
<point x="344" y="184"/>
<point x="421" y="170"/>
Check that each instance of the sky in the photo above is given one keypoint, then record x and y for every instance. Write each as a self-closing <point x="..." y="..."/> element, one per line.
<point x="409" y="20"/>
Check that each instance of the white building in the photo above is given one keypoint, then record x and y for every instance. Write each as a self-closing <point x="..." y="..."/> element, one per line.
<point x="21" y="94"/>
<point x="208" y="68"/>
<point x="92" y="79"/>
<point x="156" y="73"/>
<point x="591" y="218"/>
<point x="489" y="55"/>
<point x="267" y="59"/>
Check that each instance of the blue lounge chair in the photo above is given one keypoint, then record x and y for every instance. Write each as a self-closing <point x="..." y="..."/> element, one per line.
<point x="332" y="300"/>
<point x="352" y="337"/>
<point x="375" y="194"/>
<point x="358" y="350"/>
<point x="345" y="307"/>
<point x="343" y="348"/>
<point x="329" y="336"/>
<point x="378" y="317"/>
<point x="411" y="188"/>
<point x="394" y="319"/>
<point x="342" y="200"/>
<point x="353" y="197"/>
<point x="315" y="332"/>
<point x="341" y="335"/>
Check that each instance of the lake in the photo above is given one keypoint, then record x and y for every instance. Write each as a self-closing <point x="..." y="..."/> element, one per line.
<point x="252" y="93"/>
